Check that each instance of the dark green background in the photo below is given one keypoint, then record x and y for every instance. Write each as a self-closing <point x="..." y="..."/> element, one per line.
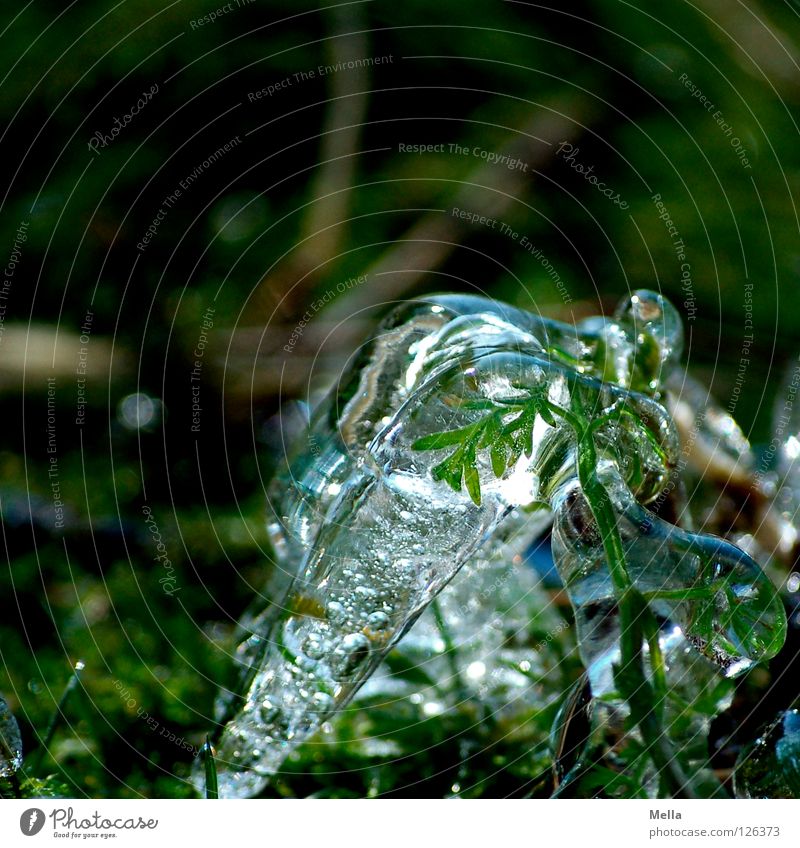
<point x="473" y="73"/>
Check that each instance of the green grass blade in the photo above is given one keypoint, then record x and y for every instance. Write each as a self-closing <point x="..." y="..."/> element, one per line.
<point x="56" y="719"/>
<point x="212" y="785"/>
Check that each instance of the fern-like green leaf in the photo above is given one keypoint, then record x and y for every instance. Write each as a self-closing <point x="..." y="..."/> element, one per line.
<point x="444" y="439"/>
<point x="506" y="442"/>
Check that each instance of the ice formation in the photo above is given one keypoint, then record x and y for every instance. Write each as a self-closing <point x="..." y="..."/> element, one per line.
<point x="770" y="766"/>
<point x="10" y="742"/>
<point x="450" y="448"/>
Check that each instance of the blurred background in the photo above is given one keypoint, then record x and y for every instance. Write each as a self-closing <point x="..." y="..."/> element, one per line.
<point x="206" y="207"/>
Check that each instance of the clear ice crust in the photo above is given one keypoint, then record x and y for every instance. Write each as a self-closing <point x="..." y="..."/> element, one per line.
<point x="431" y="468"/>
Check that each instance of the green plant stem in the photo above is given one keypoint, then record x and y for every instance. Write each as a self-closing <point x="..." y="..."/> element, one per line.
<point x="55" y="721"/>
<point x="700" y="593"/>
<point x="449" y="650"/>
<point x="210" y="767"/>
<point x="645" y="697"/>
<point x="645" y="701"/>
<point x="656" y="658"/>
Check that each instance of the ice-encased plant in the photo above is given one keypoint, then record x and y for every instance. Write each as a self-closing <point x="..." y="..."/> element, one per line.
<point x="465" y="429"/>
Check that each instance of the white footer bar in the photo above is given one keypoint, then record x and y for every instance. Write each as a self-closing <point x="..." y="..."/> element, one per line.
<point x="400" y="823"/>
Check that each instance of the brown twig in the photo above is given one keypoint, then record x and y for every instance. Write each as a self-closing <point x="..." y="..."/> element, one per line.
<point x="489" y="190"/>
<point x="255" y="361"/>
